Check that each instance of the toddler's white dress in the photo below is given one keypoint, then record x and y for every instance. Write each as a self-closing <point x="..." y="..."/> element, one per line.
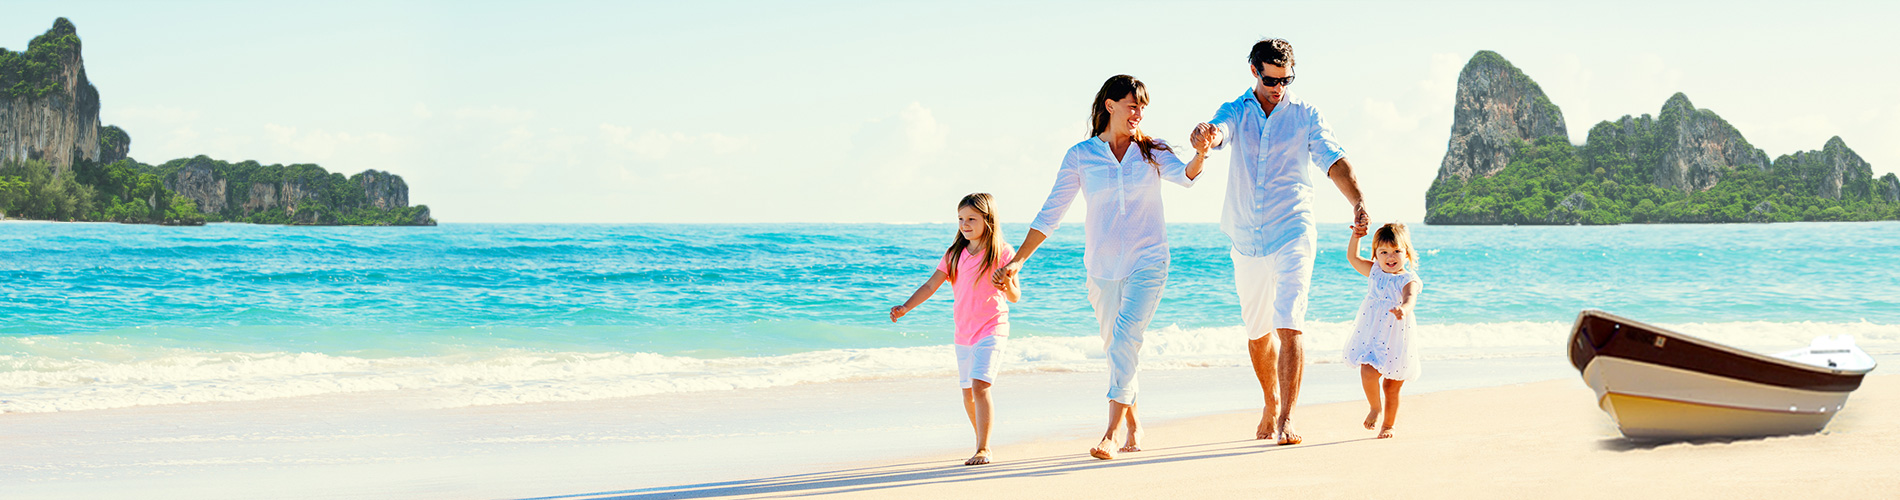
<point x="1378" y="338"/>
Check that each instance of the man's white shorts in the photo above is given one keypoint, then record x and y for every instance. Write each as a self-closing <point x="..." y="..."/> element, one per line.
<point x="978" y="362"/>
<point x="1273" y="287"/>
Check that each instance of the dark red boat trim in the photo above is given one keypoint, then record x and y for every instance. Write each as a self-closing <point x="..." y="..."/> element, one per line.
<point x="1598" y="334"/>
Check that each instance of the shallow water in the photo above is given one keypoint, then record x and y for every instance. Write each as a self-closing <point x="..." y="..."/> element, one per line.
<point x="105" y="315"/>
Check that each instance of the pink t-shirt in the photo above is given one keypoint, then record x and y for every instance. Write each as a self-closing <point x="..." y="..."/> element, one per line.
<point x="981" y="309"/>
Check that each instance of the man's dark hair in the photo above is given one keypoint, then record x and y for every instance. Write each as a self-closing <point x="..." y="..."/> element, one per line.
<point x="1275" y="51"/>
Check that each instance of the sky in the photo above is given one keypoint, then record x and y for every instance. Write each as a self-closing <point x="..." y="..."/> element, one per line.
<point x="850" y="112"/>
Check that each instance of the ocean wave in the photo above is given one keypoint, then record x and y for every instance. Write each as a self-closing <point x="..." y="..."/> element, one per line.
<point x="54" y="373"/>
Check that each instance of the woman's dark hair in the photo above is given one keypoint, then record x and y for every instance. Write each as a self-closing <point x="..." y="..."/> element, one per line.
<point x="1275" y="51"/>
<point x="1118" y="87"/>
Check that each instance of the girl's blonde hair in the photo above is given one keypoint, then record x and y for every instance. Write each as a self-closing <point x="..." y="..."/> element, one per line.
<point x="1397" y="236"/>
<point x="993" y="239"/>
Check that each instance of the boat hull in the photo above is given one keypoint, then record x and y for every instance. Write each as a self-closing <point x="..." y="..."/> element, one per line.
<point x="1657" y="402"/>
<point x="1659" y="384"/>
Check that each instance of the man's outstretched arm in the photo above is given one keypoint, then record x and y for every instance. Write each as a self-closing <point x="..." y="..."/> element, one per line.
<point x="1341" y="173"/>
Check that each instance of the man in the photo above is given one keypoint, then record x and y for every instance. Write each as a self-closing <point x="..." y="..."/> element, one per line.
<point x="1278" y="139"/>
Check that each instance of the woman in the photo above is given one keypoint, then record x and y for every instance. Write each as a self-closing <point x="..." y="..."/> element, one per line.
<point x="1118" y="171"/>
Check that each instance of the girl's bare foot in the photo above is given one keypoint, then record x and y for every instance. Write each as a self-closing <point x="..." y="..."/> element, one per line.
<point x="1372" y="418"/>
<point x="982" y="457"/>
<point x="1104" y="450"/>
<point x="1134" y="440"/>
<point x="1385" y="432"/>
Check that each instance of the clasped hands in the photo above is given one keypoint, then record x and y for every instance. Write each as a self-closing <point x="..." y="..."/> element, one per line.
<point x="1203" y="137"/>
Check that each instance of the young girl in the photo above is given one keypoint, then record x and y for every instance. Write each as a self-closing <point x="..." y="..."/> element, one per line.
<point x="1381" y="341"/>
<point x="981" y="315"/>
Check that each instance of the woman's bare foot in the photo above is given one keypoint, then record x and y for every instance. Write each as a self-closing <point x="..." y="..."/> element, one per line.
<point x="1287" y="436"/>
<point x="1134" y="441"/>
<point x="1372" y="418"/>
<point x="1104" y="450"/>
<point x="982" y="457"/>
<point x="1385" y="432"/>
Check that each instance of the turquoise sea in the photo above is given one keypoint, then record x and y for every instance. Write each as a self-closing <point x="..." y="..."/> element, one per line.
<point x="105" y="315"/>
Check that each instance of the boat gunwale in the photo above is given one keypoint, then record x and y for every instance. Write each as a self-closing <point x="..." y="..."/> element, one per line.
<point x="1583" y="349"/>
<point x="1676" y="335"/>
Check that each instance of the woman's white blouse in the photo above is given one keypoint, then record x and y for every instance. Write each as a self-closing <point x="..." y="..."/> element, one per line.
<point x="1125" y="230"/>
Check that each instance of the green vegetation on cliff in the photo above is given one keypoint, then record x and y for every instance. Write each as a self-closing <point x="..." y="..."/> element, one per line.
<point x="117" y="193"/>
<point x="291" y="194"/>
<point x="1509" y="161"/>
<point x="51" y="169"/>
<point x="33" y="73"/>
<point x="1610" y="182"/>
<point x="132" y="192"/>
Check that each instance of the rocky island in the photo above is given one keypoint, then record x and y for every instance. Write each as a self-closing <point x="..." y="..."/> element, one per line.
<point x="1510" y="161"/>
<point x="57" y="162"/>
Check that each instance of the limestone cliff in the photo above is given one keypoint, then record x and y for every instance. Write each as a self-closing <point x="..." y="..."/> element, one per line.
<point x="292" y="194"/>
<point x="1497" y="110"/>
<point x="1698" y="147"/>
<point x="1510" y="162"/>
<point x="1832" y="171"/>
<point x="75" y="169"/>
<point x="382" y="189"/>
<point x="48" y="110"/>
<point x="114" y="144"/>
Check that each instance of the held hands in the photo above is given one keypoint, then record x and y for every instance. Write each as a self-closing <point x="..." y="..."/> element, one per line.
<point x="1360" y="229"/>
<point x="1005" y="274"/>
<point x="1359" y="218"/>
<point x="898" y="312"/>
<point x="1204" y="136"/>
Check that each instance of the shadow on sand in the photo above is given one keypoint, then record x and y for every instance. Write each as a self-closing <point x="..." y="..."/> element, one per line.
<point x="915" y="473"/>
<point x="1633" y="444"/>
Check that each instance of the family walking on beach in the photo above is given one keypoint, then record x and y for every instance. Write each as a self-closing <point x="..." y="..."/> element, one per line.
<point x="1276" y="141"/>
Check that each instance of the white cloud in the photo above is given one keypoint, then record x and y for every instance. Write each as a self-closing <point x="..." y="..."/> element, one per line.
<point x="653" y="145"/>
<point x="494" y="114"/>
<point x="317" y="146"/>
<point x="894" y="150"/>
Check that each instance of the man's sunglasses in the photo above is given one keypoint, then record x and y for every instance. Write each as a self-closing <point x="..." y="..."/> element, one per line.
<point x="1275" y="82"/>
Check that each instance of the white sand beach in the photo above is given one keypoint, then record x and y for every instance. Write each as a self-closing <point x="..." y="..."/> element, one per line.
<point x="1537" y="440"/>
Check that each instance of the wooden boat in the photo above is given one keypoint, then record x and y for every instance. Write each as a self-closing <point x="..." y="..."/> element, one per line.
<point x="1660" y="384"/>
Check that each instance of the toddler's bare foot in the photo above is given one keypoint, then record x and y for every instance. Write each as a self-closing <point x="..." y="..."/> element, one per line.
<point x="1385" y="432"/>
<point x="1134" y="440"/>
<point x="1104" y="450"/>
<point x="1372" y="418"/>
<point x="982" y="457"/>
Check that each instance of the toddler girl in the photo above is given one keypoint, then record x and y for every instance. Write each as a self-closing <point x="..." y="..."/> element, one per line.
<point x="1381" y="342"/>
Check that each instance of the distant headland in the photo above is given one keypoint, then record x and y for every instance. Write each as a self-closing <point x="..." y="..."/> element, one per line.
<point x="57" y="162"/>
<point x="1510" y="161"/>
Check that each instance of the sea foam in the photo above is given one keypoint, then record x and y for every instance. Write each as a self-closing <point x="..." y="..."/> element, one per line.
<point x="53" y="373"/>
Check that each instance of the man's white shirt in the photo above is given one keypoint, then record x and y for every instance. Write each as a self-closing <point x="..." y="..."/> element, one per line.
<point x="1271" y="170"/>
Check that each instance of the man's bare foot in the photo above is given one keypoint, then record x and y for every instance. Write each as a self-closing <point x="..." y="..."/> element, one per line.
<point x="1267" y="430"/>
<point x="1104" y="450"/>
<point x="1385" y="432"/>
<point x="982" y="457"/>
<point x="1134" y="441"/>
<point x="1372" y="418"/>
<point x="1287" y="436"/>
